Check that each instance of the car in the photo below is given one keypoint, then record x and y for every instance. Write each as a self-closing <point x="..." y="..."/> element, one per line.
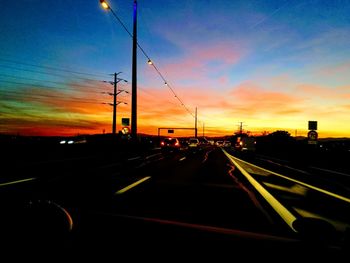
<point x="226" y="144"/>
<point x="193" y="143"/>
<point x="219" y="143"/>
<point x="170" y="144"/>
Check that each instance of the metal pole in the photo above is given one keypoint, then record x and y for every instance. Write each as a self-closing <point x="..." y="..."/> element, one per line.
<point x="195" y="124"/>
<point x="114" y="125"/>
<point x="134" y="76"/>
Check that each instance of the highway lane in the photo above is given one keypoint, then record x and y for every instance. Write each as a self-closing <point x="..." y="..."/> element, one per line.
<point x="194" y="187"/>
<point x="304" y="197"/>
<point x="199" y="190"/>
<point x="331" y="178"/>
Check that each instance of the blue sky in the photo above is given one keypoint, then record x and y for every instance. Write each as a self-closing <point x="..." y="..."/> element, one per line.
<point x="272" y="64"/>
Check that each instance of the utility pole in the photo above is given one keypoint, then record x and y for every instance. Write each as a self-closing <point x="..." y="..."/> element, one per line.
<point x="195" y="124"/>
<point x="115" y="102"/>
<point x="114" y="124"/>
<point x="115" y="93"/>
<point x="241" y="128"/>
<point x="134" y="76"/>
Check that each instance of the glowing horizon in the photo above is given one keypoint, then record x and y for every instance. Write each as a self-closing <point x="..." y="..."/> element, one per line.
<point x="272" y="66"/>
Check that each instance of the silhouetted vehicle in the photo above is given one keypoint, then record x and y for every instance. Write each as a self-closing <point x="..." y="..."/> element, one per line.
<point x="193" y="143"/>
<point x="245" y="144"/>
<point x="170" y="144"/>
<point x="219" y="143"/>
<point x="226" y="144"/>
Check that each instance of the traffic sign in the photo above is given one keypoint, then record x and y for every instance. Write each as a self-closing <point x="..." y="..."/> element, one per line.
<point x="126" y="130"/>
<point x="312" y="135"/>
<point x="125" y="122"/>
<point x="170" y="131"/>
<point x="312" y="125"/>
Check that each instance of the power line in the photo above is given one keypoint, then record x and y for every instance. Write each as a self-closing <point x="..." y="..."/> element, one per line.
<point x="52" y="68"/>
<point x="21" y="95"/>
<point x="45" y="73"/>
<point x="44" y="86"/>
<point x="150" y="62"/>
<point x="49" y="81"/>
<point x="42" y="99"/>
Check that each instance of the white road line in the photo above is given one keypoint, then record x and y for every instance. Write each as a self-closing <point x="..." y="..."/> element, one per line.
<point x="295" y="169"/>
<point x="183" y="158"/>
<point x="134" y="158"/>
<point x="18" y="181"/>
<point x="286" y="166"/>
<point x="152" y="155"/>
<point x="298" y="182"/>
<point x="329" y="171"/>
<point x="286" y="215"/>
<point x="121" y="191"/>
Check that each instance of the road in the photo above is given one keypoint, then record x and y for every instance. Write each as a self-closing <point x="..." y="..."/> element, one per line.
<point x="174" y="200"/>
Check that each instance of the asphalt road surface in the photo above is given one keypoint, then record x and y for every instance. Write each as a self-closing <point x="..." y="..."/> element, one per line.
<point x="183" y="202"/>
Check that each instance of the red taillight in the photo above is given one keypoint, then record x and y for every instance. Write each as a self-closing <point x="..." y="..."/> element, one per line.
<point x="162" y="143"/>
<point x="177" y="144"/>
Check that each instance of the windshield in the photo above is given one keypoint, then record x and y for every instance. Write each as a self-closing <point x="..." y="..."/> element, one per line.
<point x="96" y="96"/>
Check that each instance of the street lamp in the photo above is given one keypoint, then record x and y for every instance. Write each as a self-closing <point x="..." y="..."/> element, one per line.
<point x="106" y="6"/>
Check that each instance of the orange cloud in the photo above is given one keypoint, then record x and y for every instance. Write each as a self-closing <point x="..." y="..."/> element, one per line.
<point x="79" y="109"/>
<point x="255" y="100"/>
<point x="200" y="61"/>
<point x="321" y="92"/>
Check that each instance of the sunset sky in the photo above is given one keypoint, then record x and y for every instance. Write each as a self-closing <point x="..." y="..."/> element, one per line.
<point x="273" y="65"/>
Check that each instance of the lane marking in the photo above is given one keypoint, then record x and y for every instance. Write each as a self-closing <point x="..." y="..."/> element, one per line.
<point x="251" y="195"/>
<point x="298" y="170"/>
<point x="329" y="171"/>
<point x="273" y="158"/>
<point x="134" y="158"/>
<point x="284" y="213"/>
<point x="18" y="181"/>
<point x="183" y="158"/>
<point x="286" y="166"/>
<point x="296" y="189"/>
<point x="152" y="155"/>
<point x="339" y="225"/>
<point x="296" y="181"/>
<point x="121" y="191"/>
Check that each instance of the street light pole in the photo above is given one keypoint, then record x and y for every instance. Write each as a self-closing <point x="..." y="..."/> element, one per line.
<point x="134" y="76"/>
<point x="106" y="6"/>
